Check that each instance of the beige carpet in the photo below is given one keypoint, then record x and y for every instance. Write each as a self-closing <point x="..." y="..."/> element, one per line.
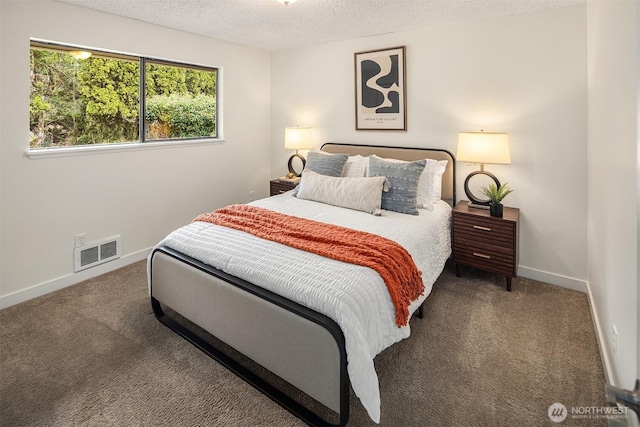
<point x="94" y="355"/>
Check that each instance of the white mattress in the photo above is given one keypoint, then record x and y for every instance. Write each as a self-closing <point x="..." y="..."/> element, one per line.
<point x="355" y="297"/>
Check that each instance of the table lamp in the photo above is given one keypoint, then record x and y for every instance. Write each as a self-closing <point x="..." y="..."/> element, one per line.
<point x="297" y="138"/>
<point x="482" y="148"/>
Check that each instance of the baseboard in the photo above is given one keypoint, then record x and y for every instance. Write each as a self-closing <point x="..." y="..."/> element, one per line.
<point x="71" y="279"/>
<point x="554" y="279"/>
<point x="530" y="273"/>
<point x="604" y="354"/>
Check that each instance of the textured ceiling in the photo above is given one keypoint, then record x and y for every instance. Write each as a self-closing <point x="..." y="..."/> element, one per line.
<point x="269" y="25"/>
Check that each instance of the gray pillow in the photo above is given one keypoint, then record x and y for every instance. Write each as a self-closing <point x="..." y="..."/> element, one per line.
<point x="325" y="163"/>
<point x="403" y="179"/>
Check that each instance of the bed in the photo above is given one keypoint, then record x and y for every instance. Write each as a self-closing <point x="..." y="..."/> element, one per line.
<point x="224" y="285"/>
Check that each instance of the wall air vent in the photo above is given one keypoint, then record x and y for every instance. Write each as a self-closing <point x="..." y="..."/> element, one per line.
<point x="96" y="253"/>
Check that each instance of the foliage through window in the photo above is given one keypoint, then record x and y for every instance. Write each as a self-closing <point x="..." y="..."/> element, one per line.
<point x="180" y="102"/>
<point x="81" y="97"/>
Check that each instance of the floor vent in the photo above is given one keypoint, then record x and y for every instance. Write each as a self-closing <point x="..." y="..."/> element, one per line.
<point x="96" y="253"/>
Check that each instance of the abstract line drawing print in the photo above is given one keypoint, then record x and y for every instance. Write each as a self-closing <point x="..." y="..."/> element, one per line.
<point x="380" y="85"/>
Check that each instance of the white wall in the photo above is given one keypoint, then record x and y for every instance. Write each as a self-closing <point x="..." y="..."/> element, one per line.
<point x="1" y="126"/>
<point x="523" y="74"/>
<point x="141" y="195"/>
<point x="613" y="179"/>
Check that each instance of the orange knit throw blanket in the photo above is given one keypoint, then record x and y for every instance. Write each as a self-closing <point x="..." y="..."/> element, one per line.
<point x="389" y="259"/>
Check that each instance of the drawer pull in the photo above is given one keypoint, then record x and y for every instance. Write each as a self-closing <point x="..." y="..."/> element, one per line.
<point x="481" y="255"/>
<point x="478" y="227"/>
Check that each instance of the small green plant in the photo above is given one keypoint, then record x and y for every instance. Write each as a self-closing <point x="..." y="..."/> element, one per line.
<point x="495" y="193"/>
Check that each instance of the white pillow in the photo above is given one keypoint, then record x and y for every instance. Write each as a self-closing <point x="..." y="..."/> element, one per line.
<point x="356" y="167"/>
<point x="430" y="183"/>
<point x="431" y="188"/>
<point x="361" y="194"/>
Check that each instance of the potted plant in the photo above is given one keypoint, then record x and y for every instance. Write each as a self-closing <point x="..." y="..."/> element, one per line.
<point x="495" y="194"/>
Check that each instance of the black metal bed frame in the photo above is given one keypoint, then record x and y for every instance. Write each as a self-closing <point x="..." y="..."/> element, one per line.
<point x="260" y="384"/>
<point x="256" y="381"/>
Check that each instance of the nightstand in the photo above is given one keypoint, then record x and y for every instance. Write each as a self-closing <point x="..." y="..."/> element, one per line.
<point x="279" y="186"/>
<point x="486" y="242"/>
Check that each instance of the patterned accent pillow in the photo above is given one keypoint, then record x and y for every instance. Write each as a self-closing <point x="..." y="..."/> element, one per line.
<point x="326" y="163"/>
<point x="430" y="183"/>
<point x="403" y="179"/>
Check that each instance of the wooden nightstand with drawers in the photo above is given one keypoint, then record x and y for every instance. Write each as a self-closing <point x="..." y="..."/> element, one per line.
<point x="279" y="186"/>
<point x="486" y="242"/>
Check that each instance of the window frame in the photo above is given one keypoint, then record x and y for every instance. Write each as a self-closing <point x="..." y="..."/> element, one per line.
<point x="143" y="142"/>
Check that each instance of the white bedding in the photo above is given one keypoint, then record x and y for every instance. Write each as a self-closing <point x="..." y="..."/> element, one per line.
<point x="355" y="297"/>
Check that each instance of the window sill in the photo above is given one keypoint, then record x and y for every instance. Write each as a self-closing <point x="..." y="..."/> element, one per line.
<point x="47" y="153"/>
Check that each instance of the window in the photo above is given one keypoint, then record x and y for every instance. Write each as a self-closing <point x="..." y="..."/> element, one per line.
<point x="180" y="101"/>
<point x="84" y="97"/>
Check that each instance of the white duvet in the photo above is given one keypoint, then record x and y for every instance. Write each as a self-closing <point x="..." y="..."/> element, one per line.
<point x="355" y="297"/>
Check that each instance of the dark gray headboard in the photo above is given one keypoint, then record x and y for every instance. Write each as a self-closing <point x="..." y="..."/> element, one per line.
<point x="405" y="153"/>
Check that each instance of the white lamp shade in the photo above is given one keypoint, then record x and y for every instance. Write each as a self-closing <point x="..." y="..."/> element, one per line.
<point x="298" y="138"/>
<point x="483" y="148"/>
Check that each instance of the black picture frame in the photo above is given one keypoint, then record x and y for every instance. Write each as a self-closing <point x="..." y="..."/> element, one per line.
<point x="380" y="89"/>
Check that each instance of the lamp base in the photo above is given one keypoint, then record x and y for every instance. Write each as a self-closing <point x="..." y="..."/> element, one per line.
<point x="292" y="172"/>
<point x="474" y="201"/>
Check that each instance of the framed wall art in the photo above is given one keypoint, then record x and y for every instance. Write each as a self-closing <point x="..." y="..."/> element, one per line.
<point x="381" y="93"/>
